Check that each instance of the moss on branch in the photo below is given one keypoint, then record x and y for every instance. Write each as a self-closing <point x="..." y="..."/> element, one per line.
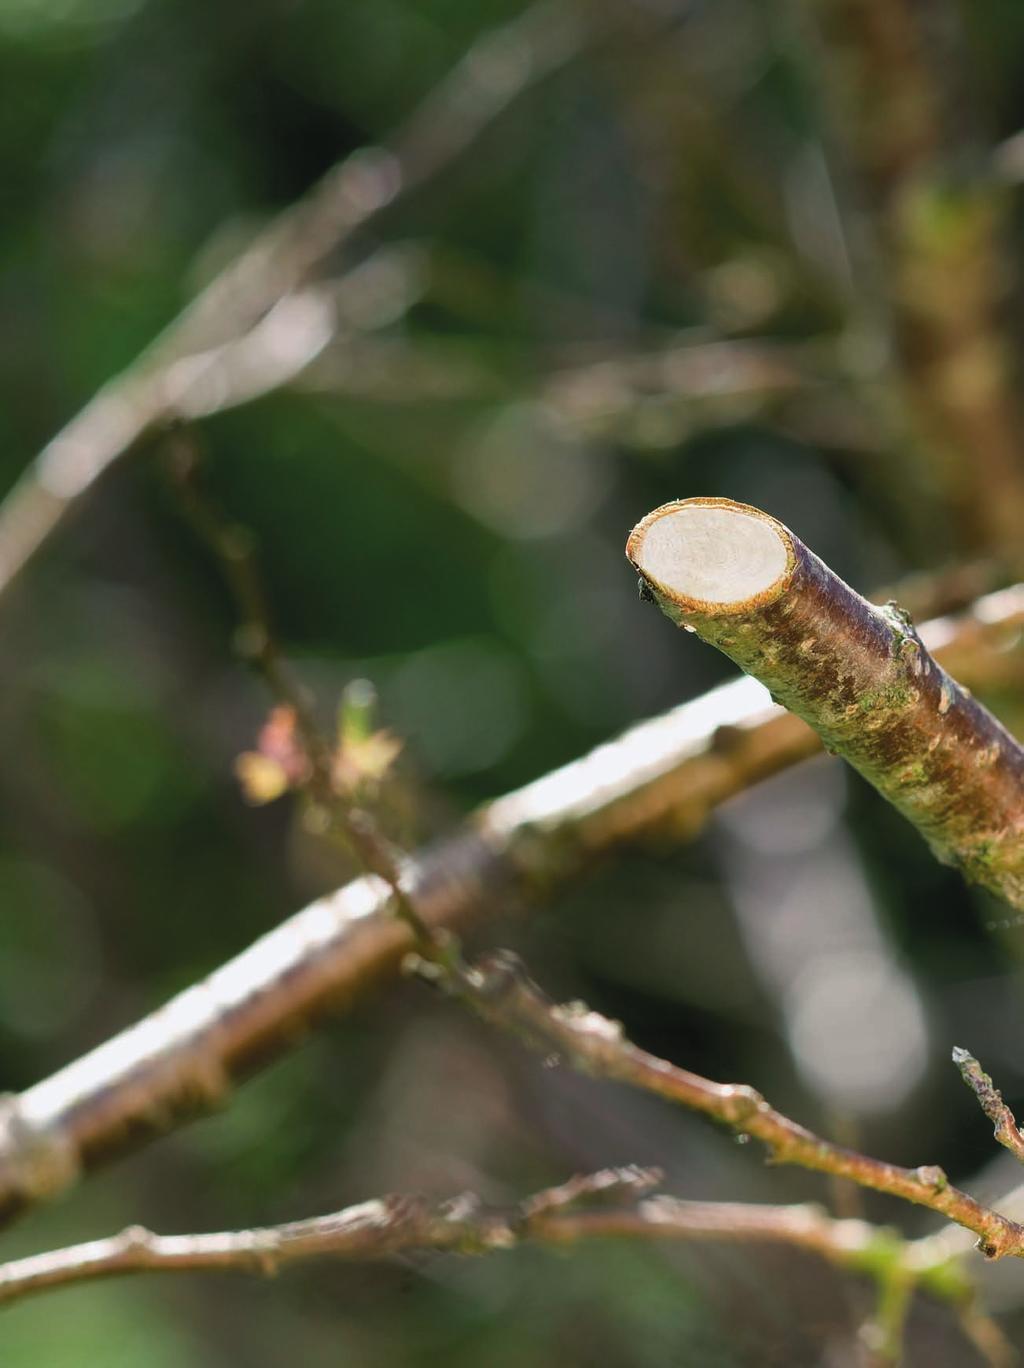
<point x="858" y="674"/>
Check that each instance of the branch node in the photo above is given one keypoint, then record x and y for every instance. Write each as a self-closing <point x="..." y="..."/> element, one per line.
<point x="741" y="1103"/>
<point x="932" y="1176"/>
<point x="499" y="973"/>
<point x="267" y="1253"/>
<point x="36" y="1160"/>
<point x="607" y="1185"/>
<point x="135" y="1240"/>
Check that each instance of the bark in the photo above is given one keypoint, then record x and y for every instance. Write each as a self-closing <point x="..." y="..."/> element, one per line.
<point x="660" y="781"/>
<point x="500" y="991"/>
<point x="386" y="1226"/>
<point x="859" y="675"/>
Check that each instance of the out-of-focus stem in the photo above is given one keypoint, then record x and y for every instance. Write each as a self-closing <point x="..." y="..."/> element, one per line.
<point x="661" y="781"/>
<point x="562" y="1216"/>
<point x="937" y="211"/>
<point x="990" y="1099"/>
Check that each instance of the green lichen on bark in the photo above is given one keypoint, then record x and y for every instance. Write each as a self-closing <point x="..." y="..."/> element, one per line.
<point x="860" y="676"/>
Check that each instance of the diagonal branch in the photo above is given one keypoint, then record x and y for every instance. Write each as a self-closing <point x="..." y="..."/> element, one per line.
<point x="337" y="811"/>
<point x="376" y="1229"/>
<point x="990" y="1099"/>
<point x="499" y="990"/>
<point x="859" y="675"/>
<point x="263" y="287"/>
<point x="661" y="779"/>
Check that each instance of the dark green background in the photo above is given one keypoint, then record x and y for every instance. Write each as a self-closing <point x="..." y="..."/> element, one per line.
<point x="464" y="552"/>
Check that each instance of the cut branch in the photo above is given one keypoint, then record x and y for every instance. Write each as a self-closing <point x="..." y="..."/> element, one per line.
<point x="859" y="675"/>
<point x="660" y="780"/>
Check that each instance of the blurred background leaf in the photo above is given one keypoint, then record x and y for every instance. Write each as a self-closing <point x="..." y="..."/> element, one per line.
<point x="550" y="344"/>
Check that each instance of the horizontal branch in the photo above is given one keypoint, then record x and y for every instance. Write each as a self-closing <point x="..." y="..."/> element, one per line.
<point x="660" y="780"/>
<point x="372" y="1230"/>
<point x="861" y="676"/>
<point x="607" y="1204"/>
<point x="499" y="990"/>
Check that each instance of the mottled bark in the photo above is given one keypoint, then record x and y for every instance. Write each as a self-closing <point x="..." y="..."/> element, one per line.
<point x="660" y="781"/>
<point x="195" y="355"/>
<point x="990" y="1099"/>
<point x="858" y="674"/>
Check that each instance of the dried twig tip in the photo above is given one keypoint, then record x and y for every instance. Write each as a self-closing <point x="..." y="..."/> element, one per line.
<point x="990" y="1099"/>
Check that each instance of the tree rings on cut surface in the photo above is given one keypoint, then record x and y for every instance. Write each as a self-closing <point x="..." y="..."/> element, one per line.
<point x="712" y="554"/>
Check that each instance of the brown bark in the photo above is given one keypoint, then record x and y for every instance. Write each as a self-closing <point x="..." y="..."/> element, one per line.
<point x="386" y="1226"/>
<point x="500" y="991"/>
<point x="896" y="71"/>
<point x="660" y="780"/>
<point x="859" y="675"/>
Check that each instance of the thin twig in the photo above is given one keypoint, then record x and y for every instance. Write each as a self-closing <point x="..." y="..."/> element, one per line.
<point x="375" y="1229"/>
<point x="334" y="810"/>
<point x="663" y="779"/>
<point x="499" y="990"/>
<point x="882" y="1333"/>
<point x="610" y="1204"/>
<point x="271" y="272"/>
<point x="990" y="1099"/>
<point x="636" y="397"/>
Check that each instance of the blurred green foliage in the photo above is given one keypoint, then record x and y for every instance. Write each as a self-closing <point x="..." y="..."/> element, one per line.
<point x="460" y="545"/>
